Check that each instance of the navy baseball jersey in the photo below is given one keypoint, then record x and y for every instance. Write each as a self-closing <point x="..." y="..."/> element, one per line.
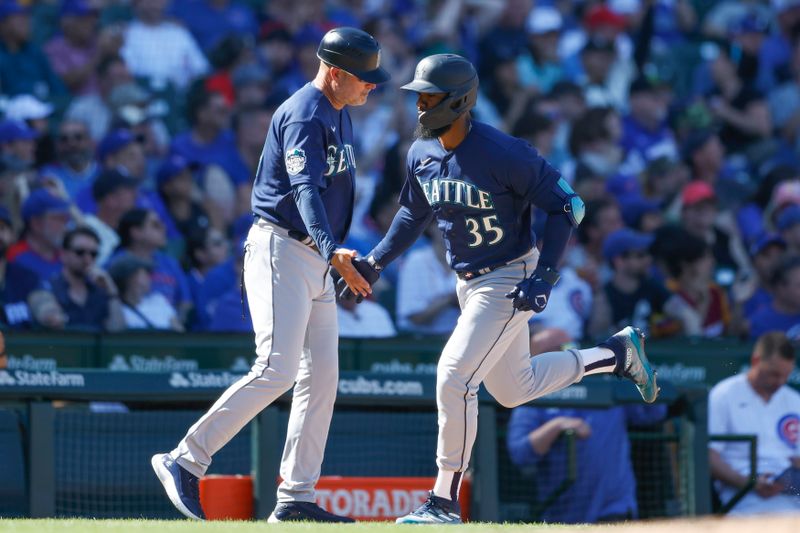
<point x="309" y="142"/>
<point x="481" y="194"/>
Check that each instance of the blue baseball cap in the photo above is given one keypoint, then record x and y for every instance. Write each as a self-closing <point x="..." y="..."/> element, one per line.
<point x="171" y="167"/>
<point x="635" y="207"/>
<point x="11" y="7"/>
<point x="625" y="240"/>
<point x="765" y="240"/>
<point x="15" y="130"/>
<point x="78" y="8"/>
<point x="113" y="142"/>
<point x="41" y="202"/>
<point x="789" y="216"/>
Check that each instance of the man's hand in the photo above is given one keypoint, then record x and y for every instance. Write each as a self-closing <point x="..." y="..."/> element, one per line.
<point x="342" y="261"/>
<point x="367" y="272"/>
<point x="578" y="425"/>
<point x="533" y="293"/>
<point x="766" y="488"/>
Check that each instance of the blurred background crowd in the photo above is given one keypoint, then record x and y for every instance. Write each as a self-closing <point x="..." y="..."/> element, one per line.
<point x="131" y="131"/>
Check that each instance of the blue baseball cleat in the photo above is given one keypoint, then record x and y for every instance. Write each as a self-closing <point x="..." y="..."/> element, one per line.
<point x="435" y="510"/>
<point x="632" y="363"/>
<point x="181" y="486"/>
<point x="303" y="512"/>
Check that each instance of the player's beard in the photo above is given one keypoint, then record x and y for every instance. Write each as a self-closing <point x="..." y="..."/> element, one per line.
<point x="421" y="132"/>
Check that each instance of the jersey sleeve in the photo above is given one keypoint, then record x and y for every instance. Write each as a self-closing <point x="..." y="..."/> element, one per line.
<point x="304" y="153"/>
<point x="411" y="195"/>
<point x="530" y="176"/>
<point x="523" y="420"/>
<point x="718" y="416"/>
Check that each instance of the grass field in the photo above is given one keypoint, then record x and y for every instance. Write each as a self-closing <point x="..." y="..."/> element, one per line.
<point x="705" y="525"/>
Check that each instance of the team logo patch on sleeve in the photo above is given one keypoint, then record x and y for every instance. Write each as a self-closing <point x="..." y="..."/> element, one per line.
<point x="295" y="160"/>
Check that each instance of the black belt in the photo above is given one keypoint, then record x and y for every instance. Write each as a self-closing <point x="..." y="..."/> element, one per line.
<point x="467" y="275"/>
<point x="294" y="234"/>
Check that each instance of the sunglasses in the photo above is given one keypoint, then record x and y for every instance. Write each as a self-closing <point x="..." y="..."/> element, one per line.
<point x="85" y="251"/>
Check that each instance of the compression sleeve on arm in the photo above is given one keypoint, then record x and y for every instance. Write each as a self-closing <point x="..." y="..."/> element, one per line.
<point x="405" y="229"/>
<point x="556" y="234"/>
<point x="312" y="211"/>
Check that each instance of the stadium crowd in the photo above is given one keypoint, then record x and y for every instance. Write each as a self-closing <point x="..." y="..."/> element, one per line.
<point x="132" y="130"/>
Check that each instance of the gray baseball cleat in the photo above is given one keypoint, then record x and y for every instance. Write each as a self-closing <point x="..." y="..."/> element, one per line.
<point x="632" y="363"/>
<point x="435" y="510"/>
<point x="181" y="486"/>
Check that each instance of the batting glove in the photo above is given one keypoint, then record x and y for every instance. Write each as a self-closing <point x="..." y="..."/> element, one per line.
<point x="367" y="271"/>
<point x="533" y="293"/>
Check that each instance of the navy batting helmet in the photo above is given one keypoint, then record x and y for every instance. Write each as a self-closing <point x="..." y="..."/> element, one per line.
<point x="450" y="74"/>
<point x="354" y="51"/>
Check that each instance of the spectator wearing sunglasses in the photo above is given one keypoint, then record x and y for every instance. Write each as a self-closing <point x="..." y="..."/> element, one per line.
<point x="86" y="293"/>
<point x="75" y="165"/>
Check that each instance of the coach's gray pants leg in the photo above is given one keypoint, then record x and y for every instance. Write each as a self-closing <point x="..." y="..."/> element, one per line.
<point x="292" y="304"/>
<point x="491" y="344"/>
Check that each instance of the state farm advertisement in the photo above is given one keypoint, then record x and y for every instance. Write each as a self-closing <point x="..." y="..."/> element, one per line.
<point x="379" y="498"/>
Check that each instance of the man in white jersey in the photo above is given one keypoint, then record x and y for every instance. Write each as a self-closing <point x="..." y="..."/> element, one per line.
<point x="758" y="403"/>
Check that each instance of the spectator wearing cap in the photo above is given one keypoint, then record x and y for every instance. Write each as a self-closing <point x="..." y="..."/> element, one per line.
<point x="642" y="214"/>
<point x="765" y="253"/>
<point x="114" y="194"/>
<point x="704" y="153"/>
<point x="75" y="53"/>
<point x="632" y="296"/>
<point x="214" y="20"/>
<point x="690" y="266"/>
<point x="75" y="166"/>
<point x="142" y="235"/>
<point x="85" y="292"/>
<point x="699" y="216"/>
<point x="783" y="314"/>
<point x="94" y="108"/>
<point x="176" y="187"/>
<point x="646" y="136"/>
<point x="35" y="114"/>
<point x="17" y="283"/>
<point x="46" y="217"/>
<point x="24" y="68"/>
<point x="788" y="225"/>
<point x="540" y="66"/>
<point x="211" y="144"/>
<point x="249" y="125"/>
<point x="142" y="307"/>
<point x="18" y="143"/>
<point x="251" y="86"/>
<point x="160" y="50"/>
<point x="120" y="150"/>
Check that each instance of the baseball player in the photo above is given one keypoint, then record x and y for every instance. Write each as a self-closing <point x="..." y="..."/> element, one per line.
<point x="480" y="185"/>
<point x="303" y="204"/>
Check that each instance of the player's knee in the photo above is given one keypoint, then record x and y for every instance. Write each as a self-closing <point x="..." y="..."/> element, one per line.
<point x="505" y="397"/>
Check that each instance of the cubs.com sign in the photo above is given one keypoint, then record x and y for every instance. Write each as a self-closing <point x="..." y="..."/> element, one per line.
<point x="379" y="498"/>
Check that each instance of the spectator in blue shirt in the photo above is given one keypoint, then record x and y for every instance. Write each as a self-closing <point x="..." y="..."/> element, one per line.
<point x="46" y="218"/>
<point x="17" y="283"/>
<point x="86" y="293"/>
<point x="766" y="254"/>
<point x="211" y="144"/>
<point x="142" y="235"/>
<point x="605" y="488"/>
<point x="645" y="133"/>
<point x="75" y="166"/>
<point x="24" y="68"/>
<point x="784" y="312"/>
